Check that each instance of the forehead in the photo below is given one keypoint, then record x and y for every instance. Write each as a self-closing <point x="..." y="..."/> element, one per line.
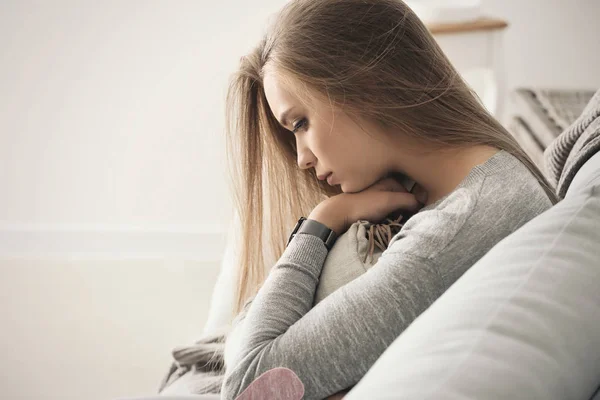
<point x="282" y="90"/>
<point x="277" y="91"/>
<point x="284" y="93"/>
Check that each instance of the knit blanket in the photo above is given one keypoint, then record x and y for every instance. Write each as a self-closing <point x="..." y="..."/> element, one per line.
<point x="577" y="144"/>
<point x="198" y="368"/>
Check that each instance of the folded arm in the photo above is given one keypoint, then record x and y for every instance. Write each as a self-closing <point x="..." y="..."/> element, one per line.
<point x="329" y="347"/>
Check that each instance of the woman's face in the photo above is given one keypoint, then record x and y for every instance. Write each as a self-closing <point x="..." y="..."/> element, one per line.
<point x="329" y="140"/>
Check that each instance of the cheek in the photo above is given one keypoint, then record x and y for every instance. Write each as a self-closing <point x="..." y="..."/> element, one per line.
<point x="363" y="172"/>
<point x="348" y="152"/>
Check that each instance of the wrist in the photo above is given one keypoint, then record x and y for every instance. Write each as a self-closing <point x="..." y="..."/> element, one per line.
<point x="329" y="218"/>
<point x="315" y="228"/>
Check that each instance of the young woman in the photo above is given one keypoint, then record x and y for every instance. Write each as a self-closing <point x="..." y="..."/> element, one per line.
<point x="337" y="97"/>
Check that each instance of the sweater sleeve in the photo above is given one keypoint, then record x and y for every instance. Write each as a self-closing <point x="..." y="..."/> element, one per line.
<point x="329" y="347"/>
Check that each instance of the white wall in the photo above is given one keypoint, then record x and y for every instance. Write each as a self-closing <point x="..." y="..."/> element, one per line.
<point x="96" y="329"/>
<point x="113" y="202"/>
<point x="113" y="199"/>
<point x="550" y="43"/>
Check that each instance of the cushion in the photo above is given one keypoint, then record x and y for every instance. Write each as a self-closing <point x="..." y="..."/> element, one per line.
<point x="586" y="176"/>
<point x="523" y="322"/>
<point x="348" y="259"/>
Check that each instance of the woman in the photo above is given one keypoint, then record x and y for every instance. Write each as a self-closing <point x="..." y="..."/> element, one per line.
<point x="339" y="96"/>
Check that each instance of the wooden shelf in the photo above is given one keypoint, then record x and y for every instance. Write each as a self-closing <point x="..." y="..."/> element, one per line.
<point x="482" y="24"/>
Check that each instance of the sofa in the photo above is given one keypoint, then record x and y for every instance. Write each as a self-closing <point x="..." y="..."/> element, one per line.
<point x="522" y="323"/>
<point x="540" y="115"/>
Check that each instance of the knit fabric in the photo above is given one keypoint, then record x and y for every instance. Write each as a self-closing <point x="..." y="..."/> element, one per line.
<point x="196" y="368"/>
<point x="199" y="368"/>
<point x="330" y="346"/>
<point x="574" y="147"/>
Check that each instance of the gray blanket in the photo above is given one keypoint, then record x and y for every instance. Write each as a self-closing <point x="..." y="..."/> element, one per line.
<point x="196" y="368"/>
<point x="574" y="147"/>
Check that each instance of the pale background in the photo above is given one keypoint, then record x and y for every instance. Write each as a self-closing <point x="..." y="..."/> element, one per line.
<point x="114" y="204"/>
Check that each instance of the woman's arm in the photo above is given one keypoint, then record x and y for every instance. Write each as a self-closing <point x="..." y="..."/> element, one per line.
<point x="331" y="346"/>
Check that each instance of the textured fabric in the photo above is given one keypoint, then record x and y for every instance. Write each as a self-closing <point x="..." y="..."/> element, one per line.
<point x="522" y="323"/>
<point x="574" y="146"/>
<point x="548" y="112"/>
<point x="331" y="346"/>
<point x="542" y="114"/>
<point x="176" y="397"/>
<point x="587" y="174"/>
<point x="348" y="259"/>
<point x="275" y="384"/>
<point x="198" y="368"/>
<point x="521" y="131"/>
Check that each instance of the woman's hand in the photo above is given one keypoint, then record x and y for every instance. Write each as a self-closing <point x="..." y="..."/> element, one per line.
<point x="372" y="204"/>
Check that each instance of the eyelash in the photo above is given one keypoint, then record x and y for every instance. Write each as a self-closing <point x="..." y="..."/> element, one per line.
<point x="299" y="124"/>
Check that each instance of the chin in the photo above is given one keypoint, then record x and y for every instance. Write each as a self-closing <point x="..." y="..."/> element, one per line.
<point x="351" y="189"/>
<point x="358" y="186"/>
<point x="347" y="188"/>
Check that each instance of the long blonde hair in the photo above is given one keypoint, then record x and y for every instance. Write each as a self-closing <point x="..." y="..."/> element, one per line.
<point x="374" y="58"/>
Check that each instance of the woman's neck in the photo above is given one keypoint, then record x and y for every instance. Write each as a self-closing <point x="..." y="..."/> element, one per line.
<point x="438" y="173"/>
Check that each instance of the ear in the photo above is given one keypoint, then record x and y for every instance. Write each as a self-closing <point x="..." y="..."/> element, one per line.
<point x="275" y="384"/>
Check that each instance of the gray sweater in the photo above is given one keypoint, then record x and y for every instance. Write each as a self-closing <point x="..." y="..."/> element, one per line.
<point x="330" y="347"/>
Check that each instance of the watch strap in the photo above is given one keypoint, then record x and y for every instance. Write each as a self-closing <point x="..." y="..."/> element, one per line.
<point x="315" y="228"/>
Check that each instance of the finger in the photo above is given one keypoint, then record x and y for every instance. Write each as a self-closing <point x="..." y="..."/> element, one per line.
<point x="420" y="194"/>
<point x="400" y="201"/>
<point x="388" y="185"/>
<point x="400" y="188"/>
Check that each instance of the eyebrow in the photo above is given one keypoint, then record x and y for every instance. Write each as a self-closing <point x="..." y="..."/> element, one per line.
<point x="284" y="116"/>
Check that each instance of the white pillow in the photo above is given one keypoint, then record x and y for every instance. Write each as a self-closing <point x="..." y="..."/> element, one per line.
<point x="522" y="323"/>
<point x="220" y="313"/>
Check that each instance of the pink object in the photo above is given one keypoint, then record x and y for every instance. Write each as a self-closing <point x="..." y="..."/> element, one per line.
<point x="275" y="384"/>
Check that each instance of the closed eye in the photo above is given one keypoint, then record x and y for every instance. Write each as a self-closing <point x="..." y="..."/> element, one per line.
<point x="300" y="124"/>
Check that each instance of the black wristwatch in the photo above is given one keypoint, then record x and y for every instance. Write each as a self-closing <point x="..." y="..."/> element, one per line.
<point x="315" y="228"/>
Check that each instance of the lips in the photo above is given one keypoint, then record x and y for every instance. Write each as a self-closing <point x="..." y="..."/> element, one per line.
<point x="324" y="176"/>
<point x="330" y="179"/>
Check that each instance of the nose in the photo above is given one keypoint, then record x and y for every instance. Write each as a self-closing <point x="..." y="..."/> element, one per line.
<point x="306" y="159"/>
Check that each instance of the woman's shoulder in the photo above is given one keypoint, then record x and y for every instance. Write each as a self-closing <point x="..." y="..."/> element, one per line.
<point x="490" y="204"/>
<point x="429" y="231"/>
